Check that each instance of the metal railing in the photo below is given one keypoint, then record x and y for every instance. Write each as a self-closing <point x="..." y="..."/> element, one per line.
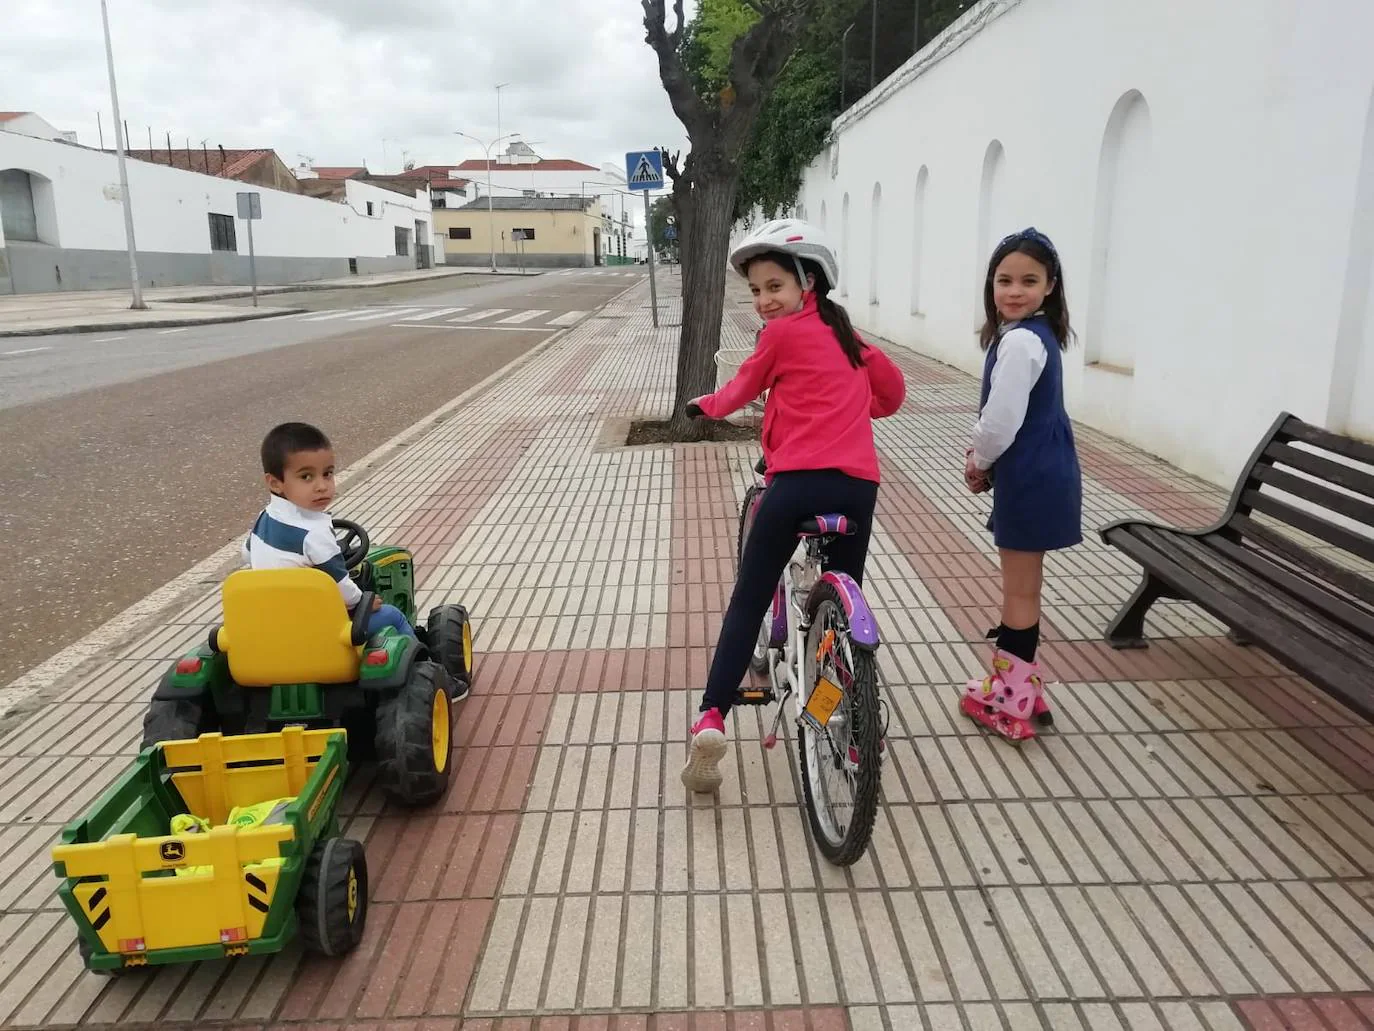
<point x="884" y="35"/>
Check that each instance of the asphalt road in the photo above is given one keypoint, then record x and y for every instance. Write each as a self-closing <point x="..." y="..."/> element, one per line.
<point x="126" y="458"/>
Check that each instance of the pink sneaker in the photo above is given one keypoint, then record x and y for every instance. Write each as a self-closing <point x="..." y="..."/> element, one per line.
<point x="1010" y="700"/>
<point x="707" y="748"/>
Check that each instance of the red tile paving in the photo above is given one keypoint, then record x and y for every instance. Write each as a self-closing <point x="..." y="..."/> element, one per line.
<point x="439" y="520"/>
<point x="1172" y="497"/>
<point x="1352" y="1013"/>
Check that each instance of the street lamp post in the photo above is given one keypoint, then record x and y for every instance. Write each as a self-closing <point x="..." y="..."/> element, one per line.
<point x="499" y="88"/>
<point x="123" y="167"/>
<point x="491" y="211"/>
<point x="844" y="61"/>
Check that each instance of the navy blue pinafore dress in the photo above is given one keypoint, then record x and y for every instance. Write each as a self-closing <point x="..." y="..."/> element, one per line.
<point x="1037" y="493"/>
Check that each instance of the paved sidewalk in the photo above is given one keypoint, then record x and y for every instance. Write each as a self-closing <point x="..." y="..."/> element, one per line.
<point x="93" y="311"/>
<point x="1193" y="849"/>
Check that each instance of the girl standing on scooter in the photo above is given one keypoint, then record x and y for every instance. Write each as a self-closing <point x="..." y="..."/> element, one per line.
<point x="1023" y="451"/>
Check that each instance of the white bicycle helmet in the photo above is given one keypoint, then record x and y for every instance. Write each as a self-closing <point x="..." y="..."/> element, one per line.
<point x="790" y="236"/>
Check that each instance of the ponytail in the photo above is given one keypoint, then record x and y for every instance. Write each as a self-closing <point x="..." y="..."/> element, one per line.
<point x="837" y="319"/>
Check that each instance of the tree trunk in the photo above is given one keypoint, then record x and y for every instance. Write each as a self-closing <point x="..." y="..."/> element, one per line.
<point x="705" y="216"/>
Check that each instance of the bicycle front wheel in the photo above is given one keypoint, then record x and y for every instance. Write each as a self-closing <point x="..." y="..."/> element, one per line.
<point x="840" y="734"/>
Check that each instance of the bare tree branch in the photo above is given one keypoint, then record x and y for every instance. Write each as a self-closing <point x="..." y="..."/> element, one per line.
<point x="670" y="163"/>
<point x="676" y="82"/>
<point x="676" y="34"/>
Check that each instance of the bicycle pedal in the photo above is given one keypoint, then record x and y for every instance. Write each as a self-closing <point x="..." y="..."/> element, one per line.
<point x="754" y="696"/>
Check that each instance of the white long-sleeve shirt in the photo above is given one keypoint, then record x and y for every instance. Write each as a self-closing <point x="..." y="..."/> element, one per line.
<point x="1021" y="358"/>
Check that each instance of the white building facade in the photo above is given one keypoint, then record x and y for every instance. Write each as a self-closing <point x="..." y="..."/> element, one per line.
<point x="26" y="123"/>
<point x="1208" y="180"/>
<point x="62" y="225"/>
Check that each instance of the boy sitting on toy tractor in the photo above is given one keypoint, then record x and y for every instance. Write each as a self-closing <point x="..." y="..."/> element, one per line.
<point x="295" y="530"/>
<point x="319" y="632"/>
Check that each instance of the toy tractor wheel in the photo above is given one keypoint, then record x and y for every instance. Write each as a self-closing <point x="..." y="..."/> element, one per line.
<point x="170" y="719"/>
<point x="332" y="904"/>
<point x="414" y="738"/>
<point x="450" y="636"/>
<point x="84" y="951"/>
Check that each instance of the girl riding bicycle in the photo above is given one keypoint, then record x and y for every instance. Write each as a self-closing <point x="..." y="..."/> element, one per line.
<point x="825" y="386"/>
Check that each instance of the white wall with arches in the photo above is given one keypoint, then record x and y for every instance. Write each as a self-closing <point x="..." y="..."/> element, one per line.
<point x="1209" y="183"/>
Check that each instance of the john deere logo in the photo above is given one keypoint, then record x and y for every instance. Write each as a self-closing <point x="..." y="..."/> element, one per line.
<point x="172" y="852"/>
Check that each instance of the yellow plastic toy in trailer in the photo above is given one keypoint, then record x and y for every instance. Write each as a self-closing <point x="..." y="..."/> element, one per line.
<point x="257" y="857"/>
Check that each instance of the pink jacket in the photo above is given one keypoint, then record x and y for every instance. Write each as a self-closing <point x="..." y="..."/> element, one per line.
<point x="820" y="408"/>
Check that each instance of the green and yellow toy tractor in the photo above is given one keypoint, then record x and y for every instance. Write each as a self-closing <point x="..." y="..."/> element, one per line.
<point x="221" y="846"/>
<point x="289" y="654"/>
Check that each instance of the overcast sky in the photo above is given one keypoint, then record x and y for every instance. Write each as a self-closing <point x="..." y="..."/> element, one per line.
<point x="330" y="80"/>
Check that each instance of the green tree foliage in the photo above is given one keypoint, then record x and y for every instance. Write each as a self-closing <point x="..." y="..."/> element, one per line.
<point x="794" y="123"/>
<point x="660" y="212"/>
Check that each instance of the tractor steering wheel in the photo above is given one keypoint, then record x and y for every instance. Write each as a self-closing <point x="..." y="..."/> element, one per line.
<point x="353" y="541"/>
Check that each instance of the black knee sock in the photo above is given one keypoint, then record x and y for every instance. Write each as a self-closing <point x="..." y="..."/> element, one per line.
<point x="1021" y="643"/>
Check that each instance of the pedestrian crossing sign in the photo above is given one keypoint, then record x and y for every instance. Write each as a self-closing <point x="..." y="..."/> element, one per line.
<point x="644" y="170"/>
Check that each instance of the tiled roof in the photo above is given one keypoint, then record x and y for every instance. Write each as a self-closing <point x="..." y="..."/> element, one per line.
<point x="542" y="165"/>
<point x="437" y="176"/>
<point x="339" y="171"/>
<point x="530" y="204"/>
<point x="227" y="164"/>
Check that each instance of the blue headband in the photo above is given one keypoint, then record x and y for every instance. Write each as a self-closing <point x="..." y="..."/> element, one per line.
<point x="1034" y="234"/>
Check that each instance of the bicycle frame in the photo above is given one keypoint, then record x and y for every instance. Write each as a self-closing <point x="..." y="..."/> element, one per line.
<point x="791" y="676"/>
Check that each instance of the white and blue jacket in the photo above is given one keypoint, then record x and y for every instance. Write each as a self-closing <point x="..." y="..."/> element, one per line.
<point x="287" y="536"/>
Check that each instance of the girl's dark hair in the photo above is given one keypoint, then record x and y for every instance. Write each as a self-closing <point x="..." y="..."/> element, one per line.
<point x="832" y="314"/>
<point x="1033" y="244"/>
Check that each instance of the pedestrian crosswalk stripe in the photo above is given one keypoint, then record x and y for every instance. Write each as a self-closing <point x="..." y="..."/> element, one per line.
<point x="431" y="314"/>
<point x="478" y="316"/>
<point x="523" y="316"/>
<point x="567" y="318"/>
<point x="388" y="314"/>
<point x="344" y="313"/>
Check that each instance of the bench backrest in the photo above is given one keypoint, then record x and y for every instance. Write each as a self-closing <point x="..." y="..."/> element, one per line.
<point x="1321" y="484"/>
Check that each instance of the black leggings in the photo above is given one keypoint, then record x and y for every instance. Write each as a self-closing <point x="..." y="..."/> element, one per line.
<point x="789" y="500"/>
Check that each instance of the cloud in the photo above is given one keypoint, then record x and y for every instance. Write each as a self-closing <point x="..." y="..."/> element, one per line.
<point x="346" y="81"/>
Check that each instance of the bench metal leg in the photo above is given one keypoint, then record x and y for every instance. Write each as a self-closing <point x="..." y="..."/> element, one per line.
<point x="1239" y="637"/>
<point x="1127" y="630"/>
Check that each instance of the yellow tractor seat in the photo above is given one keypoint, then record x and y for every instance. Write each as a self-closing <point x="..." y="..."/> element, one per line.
<point x="289" y="626"/>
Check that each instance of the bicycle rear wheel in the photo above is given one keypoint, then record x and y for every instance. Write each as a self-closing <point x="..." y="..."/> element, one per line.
<point x="839" y="743"/>
<point x="759" y="661"/>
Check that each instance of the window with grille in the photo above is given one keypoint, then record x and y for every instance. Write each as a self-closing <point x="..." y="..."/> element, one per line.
<point x="459" y="233"/>
<point x="222" y="233"/>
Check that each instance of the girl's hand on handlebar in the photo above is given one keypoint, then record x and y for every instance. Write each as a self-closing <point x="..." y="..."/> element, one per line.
<point x="694" y="409"/>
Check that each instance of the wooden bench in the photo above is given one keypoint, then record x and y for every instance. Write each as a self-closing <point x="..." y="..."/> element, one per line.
<point x="1289" y="568"/>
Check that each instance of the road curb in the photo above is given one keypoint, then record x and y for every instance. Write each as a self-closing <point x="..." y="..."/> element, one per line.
<point x="104" y="327"/>
<point x="36" y="686"/>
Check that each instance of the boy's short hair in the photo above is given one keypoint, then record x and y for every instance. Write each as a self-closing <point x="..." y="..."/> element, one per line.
<point x="286" y="440"/>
